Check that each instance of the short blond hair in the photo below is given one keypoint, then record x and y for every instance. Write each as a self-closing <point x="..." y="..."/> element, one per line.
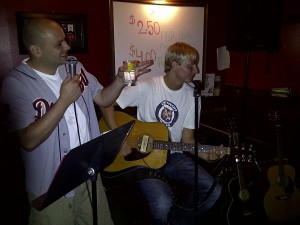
<point x="179" y="52"/>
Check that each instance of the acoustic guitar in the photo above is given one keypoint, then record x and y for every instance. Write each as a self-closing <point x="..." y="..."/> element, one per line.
<point x="282" y="199"/>
<point x="149" y="140"/>
<point x="244" y="206"/>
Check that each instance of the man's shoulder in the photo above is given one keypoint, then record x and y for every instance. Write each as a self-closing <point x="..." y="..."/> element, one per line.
<point x="21" y="69"/>
<point x="148" y="81"/>
<point x="153" y="80"/>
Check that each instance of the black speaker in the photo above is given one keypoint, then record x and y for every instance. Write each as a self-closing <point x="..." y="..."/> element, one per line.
<point x="254" y="25"/>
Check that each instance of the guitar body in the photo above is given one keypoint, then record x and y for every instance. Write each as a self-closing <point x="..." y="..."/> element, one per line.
<point x="155" y="159"/>
<point x="282" y="200"/>
<point x="244" y="206"/>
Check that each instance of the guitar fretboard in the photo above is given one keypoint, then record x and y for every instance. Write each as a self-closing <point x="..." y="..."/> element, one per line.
<point x="178" y="146"/>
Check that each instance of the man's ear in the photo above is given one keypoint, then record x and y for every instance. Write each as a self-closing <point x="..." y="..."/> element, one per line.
<point x="35" y="50"/>
<point x="174" y="64"/>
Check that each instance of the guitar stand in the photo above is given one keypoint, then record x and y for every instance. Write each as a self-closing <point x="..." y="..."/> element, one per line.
<point x="257" y="165"/>
<point x="225" y="168"/>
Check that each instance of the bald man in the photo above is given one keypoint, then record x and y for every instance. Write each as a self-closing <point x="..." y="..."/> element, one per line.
<point x="52" y="112"/>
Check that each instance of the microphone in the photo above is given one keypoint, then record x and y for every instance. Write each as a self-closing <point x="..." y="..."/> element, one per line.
<point x="71" y="61"/>
<point x="197" y="83"/>
<point x="197" y="87"/>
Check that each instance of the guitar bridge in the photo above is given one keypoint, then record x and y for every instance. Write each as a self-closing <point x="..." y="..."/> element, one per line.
<point x="282" y="197"/>
<point x="247" y="213"/>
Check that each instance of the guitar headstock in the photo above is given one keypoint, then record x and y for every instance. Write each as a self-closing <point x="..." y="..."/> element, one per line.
<point x="243" y="154"/>
<point x="274" y="116"/>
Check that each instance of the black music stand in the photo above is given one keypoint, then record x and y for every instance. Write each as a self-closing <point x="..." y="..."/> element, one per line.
<point x="83" y="163"/>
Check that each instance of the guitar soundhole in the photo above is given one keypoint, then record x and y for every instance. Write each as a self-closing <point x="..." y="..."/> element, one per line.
<point x="135" y="155"/>
<point x="244" y="195"/>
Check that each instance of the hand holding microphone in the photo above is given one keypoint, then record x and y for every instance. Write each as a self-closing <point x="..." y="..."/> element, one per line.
<point x="70" y="89"/>
<point x="72" y="61"/>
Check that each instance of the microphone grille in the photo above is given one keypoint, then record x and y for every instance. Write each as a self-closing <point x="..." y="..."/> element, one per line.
<point x="72" y="60"/>
<point x="197" y="83"/>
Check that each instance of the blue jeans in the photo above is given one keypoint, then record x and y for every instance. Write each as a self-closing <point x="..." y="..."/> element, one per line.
<point x="158" y="194"/>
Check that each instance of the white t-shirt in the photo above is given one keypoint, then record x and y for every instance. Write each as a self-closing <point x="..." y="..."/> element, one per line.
<point x="155" y="102"/>
<point x="54" y="83"/>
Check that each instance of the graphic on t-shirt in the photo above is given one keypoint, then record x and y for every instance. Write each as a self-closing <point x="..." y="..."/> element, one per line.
<point x="166" y="113"/>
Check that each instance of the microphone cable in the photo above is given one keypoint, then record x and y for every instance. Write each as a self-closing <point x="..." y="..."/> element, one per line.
<point x="72" y="61"/>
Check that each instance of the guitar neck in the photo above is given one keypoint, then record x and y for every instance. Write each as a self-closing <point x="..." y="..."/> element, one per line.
<point x="279" y="152"/>
<point x="181" y="147"/>
<point x="281" y="173"/>
<point x="240" y="171"/>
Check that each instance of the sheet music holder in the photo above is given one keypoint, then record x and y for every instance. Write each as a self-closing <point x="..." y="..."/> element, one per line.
<point x="76" y="166"/>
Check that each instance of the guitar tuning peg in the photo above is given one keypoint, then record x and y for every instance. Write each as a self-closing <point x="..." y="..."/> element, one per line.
<point x="244" y="158"/>
<point x="250" y="158"/>
<point x="250" y="147"/>
<point x="237" y="158"/>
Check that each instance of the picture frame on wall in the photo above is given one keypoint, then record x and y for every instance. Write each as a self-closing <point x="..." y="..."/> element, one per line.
<point x="74" y="26"/>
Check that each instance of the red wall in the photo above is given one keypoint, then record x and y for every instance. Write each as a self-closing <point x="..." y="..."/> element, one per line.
<point x="279" y="69"/>
<point x="268" y="70"/>
<point x="96" y="61"/>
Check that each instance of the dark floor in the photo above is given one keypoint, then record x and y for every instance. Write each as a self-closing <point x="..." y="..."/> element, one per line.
<point x="131" y="209"/>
